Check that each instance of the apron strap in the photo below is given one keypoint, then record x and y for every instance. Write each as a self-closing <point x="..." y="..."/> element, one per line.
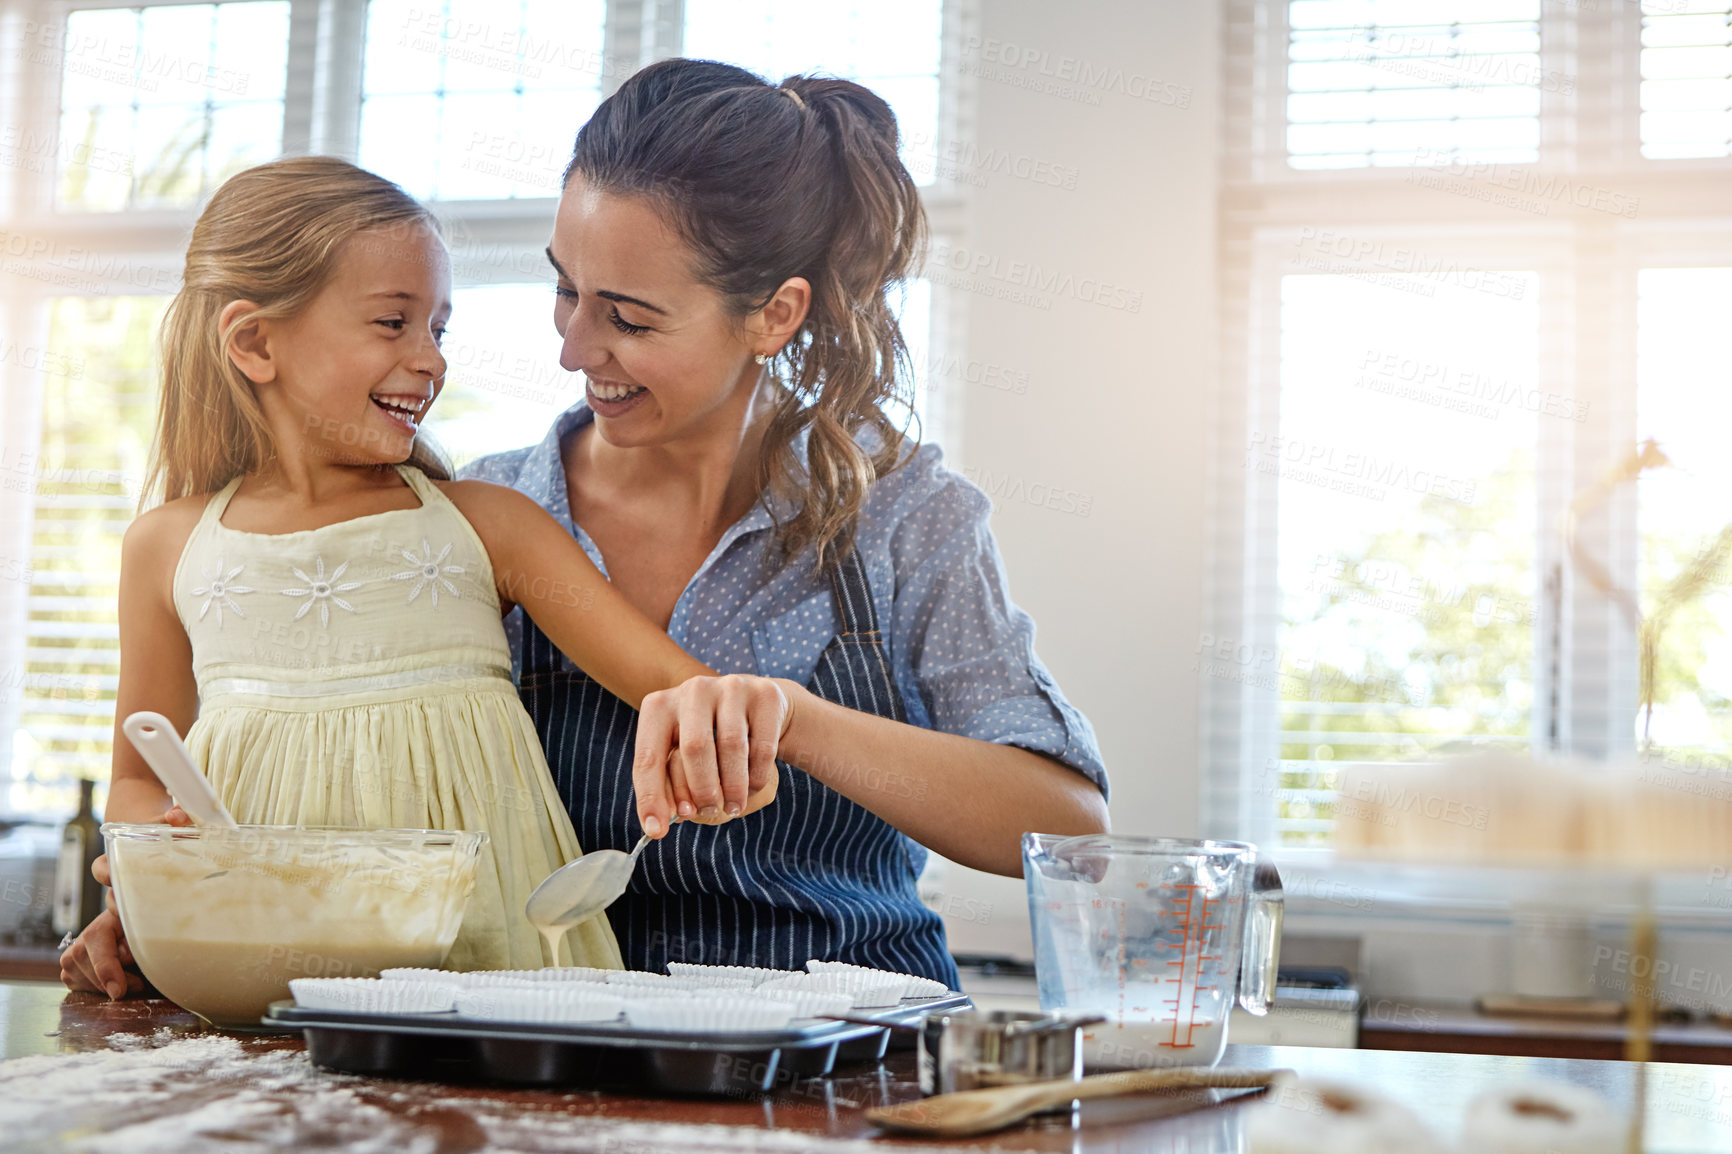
<point x="854" y="598"/>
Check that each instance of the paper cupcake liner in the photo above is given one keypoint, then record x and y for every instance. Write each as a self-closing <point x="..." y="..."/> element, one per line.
<point x="562" y="976"/>
<point x="372" y="995"/>
<point x="702" y="981"/>
<point x="1534" y="1116"/>
<point x="418" y="974"/>
<point x="917" y="987"/>
<point x="752" y="975"/>
<point x="815" y="1003"/>
<point x="869" y="990"/>
<point x="1312" y="1115"/>
<point x="644" y="980"/>
<point x="708" y="1016"/>
<point x="542" y="1002"/>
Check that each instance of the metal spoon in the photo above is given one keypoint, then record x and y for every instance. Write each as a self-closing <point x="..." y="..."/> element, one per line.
<point x="154" y="737"/>
<point x="579" y="890"/>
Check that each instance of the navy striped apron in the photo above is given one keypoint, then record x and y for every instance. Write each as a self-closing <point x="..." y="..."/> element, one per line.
<point x="812" y="875"/>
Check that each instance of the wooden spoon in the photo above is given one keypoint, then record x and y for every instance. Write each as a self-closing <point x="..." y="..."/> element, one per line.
<point x="981" y="1111"/>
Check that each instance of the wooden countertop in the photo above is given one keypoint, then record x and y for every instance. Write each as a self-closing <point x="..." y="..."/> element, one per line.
<point x="29" y="964"/>
<point x="99" y="1085"/>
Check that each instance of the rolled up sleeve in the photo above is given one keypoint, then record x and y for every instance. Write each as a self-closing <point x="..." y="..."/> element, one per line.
<point x="964" y="652"/>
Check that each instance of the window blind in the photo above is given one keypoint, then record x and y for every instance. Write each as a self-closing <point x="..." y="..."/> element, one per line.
<point x="88" y="473"/>
<point x="1686" y="68"/>
<point x="1395" y="82"/>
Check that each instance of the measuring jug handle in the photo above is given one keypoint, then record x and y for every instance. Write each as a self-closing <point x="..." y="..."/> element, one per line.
<point x="1260" y="956"/>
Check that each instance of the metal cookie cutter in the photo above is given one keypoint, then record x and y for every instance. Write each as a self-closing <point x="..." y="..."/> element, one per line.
<point x="975" y="1049"/>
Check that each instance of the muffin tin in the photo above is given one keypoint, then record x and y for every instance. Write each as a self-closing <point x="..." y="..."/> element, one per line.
<point x="448" y="1047"/>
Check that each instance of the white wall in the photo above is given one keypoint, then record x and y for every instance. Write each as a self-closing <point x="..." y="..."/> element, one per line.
<point x="1116" y="409"/>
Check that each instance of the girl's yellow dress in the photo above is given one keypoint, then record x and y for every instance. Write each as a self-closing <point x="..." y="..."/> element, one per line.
<point x="357" y="675"/>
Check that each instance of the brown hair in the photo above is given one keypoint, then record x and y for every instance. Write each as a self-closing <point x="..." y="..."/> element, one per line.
<point x="271" y="235"/>
<point x="766" y="183"/>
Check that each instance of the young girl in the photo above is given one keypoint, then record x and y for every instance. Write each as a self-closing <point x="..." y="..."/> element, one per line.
<point x="328" y="614"/>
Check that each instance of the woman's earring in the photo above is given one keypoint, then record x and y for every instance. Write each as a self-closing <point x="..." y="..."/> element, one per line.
<point x="760" y="358"/>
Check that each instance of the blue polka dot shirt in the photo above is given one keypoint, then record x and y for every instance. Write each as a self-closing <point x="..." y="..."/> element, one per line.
<point x="962" y="652"/>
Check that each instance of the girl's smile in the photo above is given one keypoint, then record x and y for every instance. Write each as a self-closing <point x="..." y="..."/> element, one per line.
<point x="404" y="409"/>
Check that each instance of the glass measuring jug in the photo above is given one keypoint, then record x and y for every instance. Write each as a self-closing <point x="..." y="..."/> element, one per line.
<point x="1160" y="935"/>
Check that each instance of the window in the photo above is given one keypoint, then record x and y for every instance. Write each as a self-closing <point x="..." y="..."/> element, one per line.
<point x="1683" y="403"/>
<point x="87" y="473"/>
<point x="1686" y="78"/>
<point x="891" y="48"/>
<point x="160" y="105"/>
<point x="465" y="100"/>
<point x="504" y="382"/>
<point x="1388" y="82"/>
<point x="1460" y="251"/>
<point x="1405" y="466"/>
<point x="147" y="109"/>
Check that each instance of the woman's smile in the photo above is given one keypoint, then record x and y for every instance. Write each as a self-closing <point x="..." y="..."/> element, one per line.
<point x="610" y="399"/>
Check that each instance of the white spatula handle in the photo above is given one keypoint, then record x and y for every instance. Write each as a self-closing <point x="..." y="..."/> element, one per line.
<point x="154" y="737"/>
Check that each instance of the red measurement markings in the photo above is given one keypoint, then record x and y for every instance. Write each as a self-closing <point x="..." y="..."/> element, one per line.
<point x="1194" y="915"/>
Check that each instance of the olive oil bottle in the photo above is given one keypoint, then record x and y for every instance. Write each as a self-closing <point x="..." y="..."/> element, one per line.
<point x="77" y="896"/>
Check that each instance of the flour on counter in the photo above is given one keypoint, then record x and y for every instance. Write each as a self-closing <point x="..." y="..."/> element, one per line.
<point x="151" y="1094"/>
<point x="166" y="1093"/>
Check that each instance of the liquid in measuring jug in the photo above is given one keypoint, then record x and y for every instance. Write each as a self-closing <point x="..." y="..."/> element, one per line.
<point x="1151" y="934"/>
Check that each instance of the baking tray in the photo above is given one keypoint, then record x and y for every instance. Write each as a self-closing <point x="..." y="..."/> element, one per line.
<point x="446" y="1047"/>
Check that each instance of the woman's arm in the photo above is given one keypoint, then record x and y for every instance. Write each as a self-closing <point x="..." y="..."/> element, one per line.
<point x="979" y="762"/>
<point x="969" y="800"/>
<point x="539" y="566"/>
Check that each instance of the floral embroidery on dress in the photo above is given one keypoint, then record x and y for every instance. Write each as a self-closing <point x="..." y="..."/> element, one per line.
<point x="322" y="591"/>
<point x="218" y="592"/>
<point x="428" y="572"/>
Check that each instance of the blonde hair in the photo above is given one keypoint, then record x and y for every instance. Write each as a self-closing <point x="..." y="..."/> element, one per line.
<point x="270" y="235"/>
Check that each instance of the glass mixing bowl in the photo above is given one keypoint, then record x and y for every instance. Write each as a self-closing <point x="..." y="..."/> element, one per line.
<point x="220" y="919"/>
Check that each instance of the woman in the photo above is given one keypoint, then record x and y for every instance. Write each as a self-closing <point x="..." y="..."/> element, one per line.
<point x="724" y="251"/>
